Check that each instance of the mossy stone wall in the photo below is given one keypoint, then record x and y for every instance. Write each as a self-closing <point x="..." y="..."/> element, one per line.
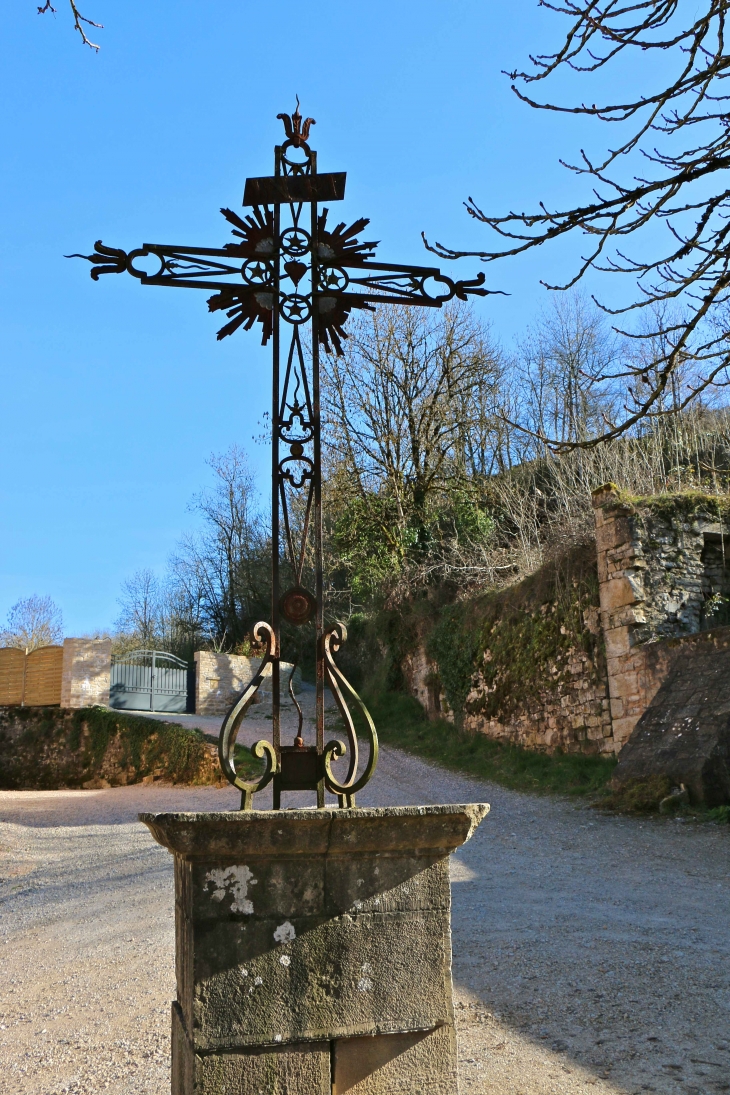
<point x="566" y="659"/>
<point x="525" y="665"/>
<point x="45" y="748"/>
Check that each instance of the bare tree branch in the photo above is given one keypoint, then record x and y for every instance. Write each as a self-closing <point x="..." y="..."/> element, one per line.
<point x="680" y="185"/>
<point x="79" y="19"/>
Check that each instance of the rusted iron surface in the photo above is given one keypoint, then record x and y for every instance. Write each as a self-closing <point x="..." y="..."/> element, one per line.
<point x="287" y="269"/>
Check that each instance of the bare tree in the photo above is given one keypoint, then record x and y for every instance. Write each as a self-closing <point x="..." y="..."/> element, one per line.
<point x="157" y="613"/>
<point x="220" y="576"/>
<point x="33" y="622"/>
<point x="679" y="184"/>
<point x="401" y="399"/>
<point x="426" y="402"/>
<point x="562" y="362"/>
<point x="141" y="607"/>
<point x="79" y="21"/>
<point x="218" y="581"/>
<point x="411" y="429"/>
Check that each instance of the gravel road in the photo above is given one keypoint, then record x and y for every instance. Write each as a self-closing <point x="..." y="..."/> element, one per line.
<point x="590" y="952"/>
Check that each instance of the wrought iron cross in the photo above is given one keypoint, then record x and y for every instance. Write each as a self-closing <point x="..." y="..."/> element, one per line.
<point x="288" y="264"/>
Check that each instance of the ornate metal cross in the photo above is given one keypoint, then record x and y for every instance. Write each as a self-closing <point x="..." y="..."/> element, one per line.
<point x="288" y="264"/>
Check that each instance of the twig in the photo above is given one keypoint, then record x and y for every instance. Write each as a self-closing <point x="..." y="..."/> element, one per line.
<point x="78" y="20"/>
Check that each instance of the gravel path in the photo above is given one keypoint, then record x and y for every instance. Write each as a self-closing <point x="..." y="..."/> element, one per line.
<point x="590" y="953"/>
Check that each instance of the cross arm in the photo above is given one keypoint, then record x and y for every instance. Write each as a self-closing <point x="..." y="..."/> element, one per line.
<point x="181" y="265"/>
<point x="241" y="274"/>
<point x="395" y="283"/>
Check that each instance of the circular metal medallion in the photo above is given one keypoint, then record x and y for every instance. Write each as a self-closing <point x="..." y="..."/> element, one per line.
<point x="295" y="308"/>
<point x="257" y="272"/>
<point x="295" y="241"/>
<point x="333" y="278"/>
<point x="297" y="605"/>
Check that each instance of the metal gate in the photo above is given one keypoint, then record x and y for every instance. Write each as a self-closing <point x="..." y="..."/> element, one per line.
<point x="150" y="680"/>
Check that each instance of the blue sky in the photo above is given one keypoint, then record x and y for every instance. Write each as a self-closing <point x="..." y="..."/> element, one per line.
<point x="114" y="394"/>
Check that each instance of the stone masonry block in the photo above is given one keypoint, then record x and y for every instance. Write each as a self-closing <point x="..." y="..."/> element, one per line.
<point x="624" y="685"/>
<point x="618" y="642"/>
<point x="262" y="888"/>
<point x="285" y="888"/>
<point x="387" y="884"/>
<point x="307" y="978"/>
<point x="220" y="679"/>
<point x="86" y="672"/>
<point x="613" y="534"/>
<point x="271" y="1070"/>
<point x="622" y="729"/>
<point x="422" y="1063"/>
<point x="629" y="616"/>
<point x="617" y="593"/>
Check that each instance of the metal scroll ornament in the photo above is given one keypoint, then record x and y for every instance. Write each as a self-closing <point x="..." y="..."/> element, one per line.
<point x="289" y="268"/>
<point x="262" y="750"/>
<point x="347" y="788"/>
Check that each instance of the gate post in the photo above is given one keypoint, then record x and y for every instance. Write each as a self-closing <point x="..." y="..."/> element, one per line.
<point x="152" y="683"/>
<point x="313" y="949"/>
<point x="86" y="672"/>
<point x="25" y="674"/>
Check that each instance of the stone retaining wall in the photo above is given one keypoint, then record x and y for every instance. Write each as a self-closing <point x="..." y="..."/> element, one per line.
<point x="684" y="731"/>
<point x="220" y="679"/>
<point x="663" y="579"/>
<point x="573" y="713"/>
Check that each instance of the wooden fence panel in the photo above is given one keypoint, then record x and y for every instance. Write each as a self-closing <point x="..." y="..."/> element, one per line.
<point x="43" y="671"/>
<point x="12" y="670"/>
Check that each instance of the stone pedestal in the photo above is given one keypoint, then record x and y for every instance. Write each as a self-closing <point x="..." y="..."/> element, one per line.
<point x="313" y="950"/>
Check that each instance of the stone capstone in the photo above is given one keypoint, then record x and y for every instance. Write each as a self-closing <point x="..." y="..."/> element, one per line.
<point x="313" y="949"/>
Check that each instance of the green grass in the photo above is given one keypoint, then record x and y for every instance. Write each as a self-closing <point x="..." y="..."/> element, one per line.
<point x="642" y="797"/>
<point x="401" y="721"/>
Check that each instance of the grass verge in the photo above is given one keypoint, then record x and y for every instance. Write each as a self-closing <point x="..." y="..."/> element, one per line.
<point x="401" y="721"/>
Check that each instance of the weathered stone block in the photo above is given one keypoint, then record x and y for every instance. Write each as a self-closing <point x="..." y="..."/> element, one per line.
<point x="314" y="936"/>
<point x="278" y="888"/>
<point x="421" y="1062"/>
<point x="86" y="672"/>
<point x="305" y="978"/>
<point x="618" y="592"/>
<point x="220" y="679"/>
<point x="618" y="642"/>
<point x="387" y="884"/>
<point x="622" y="729"/>
<point x="625" y="685"/>
<point x="270" y="1070"/>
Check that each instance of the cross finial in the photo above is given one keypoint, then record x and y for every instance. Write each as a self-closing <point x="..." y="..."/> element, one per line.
<point x="297" y="131"/>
